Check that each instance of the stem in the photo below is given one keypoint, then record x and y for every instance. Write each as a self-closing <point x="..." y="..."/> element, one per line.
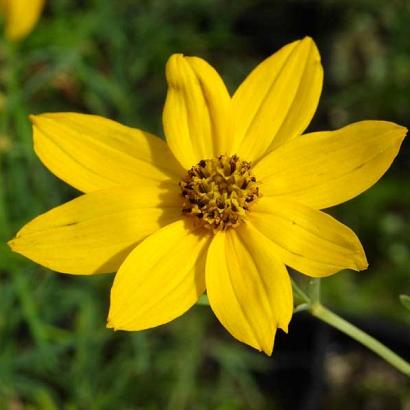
<point x="300" y="293"/>
<point x="301" y="308"/>
<point x="203" y="300"/>
<point x="370" y="342"/>
<point x="316" y="309"/>
<point x="314" y="291"/>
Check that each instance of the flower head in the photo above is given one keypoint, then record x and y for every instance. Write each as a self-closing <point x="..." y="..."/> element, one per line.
<point x="232" y="198"/>
<point x="219" y="192"/>
<point x="21" y="16"/>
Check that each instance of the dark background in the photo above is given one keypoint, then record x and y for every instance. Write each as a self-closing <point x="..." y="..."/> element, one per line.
<point x="107" y="57"/>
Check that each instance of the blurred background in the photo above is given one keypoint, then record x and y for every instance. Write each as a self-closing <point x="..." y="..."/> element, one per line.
<point x="107" y="57"/>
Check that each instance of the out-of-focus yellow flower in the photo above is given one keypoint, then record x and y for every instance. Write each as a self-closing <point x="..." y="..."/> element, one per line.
<point x="21" y="16"/>
<point x="234" y="196"/>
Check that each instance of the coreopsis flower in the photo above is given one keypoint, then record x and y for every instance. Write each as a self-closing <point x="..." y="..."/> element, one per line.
<point x="21" y="16"/>
<point x="232" y="198"/>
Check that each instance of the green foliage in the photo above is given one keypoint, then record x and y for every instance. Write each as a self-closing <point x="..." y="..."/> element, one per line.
<point x="107" y="57"/>
<point x="405" y="300"/>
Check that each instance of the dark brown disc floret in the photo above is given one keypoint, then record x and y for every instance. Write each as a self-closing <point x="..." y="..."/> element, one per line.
<point x="219" y="192"/>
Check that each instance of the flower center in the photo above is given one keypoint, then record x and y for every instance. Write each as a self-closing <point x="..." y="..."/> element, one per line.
<point x="219" y="192"/>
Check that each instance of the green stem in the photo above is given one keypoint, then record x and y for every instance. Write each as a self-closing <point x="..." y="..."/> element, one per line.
<point x="316" y="309"/>
<point x="300" y="293"/>
<point x="203" y="300"/>
<point x="314" y="291"/>
<point x="354" y="332"/>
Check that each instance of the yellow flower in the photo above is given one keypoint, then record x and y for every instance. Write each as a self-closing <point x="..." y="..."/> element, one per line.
<point x="21" y="16"/>
<point x="232" y="198"/>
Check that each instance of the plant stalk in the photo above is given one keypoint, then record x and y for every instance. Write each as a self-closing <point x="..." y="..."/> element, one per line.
<point x="327" y="316"/>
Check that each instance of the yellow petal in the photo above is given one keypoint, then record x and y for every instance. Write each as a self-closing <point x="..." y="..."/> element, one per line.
<point x="92" y="153"/>
<point x="21" y="17"/>
<point x="323" y="169"/>
<point x="307" y="240"/>
<point x="278" y="99"/>
<point x="195" y="112"/>
<point x="248" y="289"/>
<point x="160" y="280"/>
<point x="95" y="232"/>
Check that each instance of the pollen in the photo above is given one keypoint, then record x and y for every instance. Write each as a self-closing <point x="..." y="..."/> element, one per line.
<point x="219" y="192"/>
